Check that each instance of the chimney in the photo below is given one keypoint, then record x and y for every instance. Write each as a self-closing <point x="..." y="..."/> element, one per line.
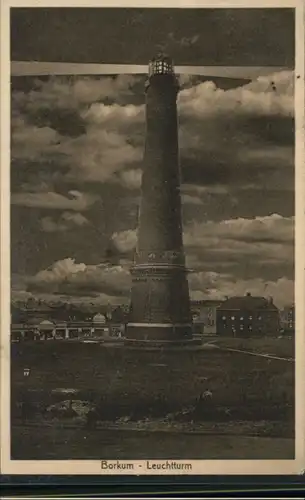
<point x="248" y="294"/>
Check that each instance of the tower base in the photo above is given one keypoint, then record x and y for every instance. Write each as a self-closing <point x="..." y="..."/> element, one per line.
<point x="159" y="334"/>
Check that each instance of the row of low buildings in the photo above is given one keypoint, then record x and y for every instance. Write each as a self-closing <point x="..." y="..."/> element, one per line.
<point x="245" y="316"/>
<point x="97" y="327"/>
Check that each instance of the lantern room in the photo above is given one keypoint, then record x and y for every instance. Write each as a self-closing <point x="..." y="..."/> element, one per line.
<point x="161" y="65"/>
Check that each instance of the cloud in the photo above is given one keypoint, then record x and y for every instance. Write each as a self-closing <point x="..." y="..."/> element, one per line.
<point x="226" y="136"/>
<point x="218" y="286"/>
<point x="125" y="241"/>
<point x="271" y="228"/>
<point x="66" y="222"/>
<point x="114" y="115"/>
<point x="70" y="281"/>
<point x="131" y="179"/>
<point x="282" y="155"/>
<point x="59" y="271"/>
<point x="269" y="240"/>
<point x="191" y="199"/>
<point x="68" y="277"/>
<point x="32" y="143"/>
<point x="48" y="225"/>
<point x="204" y="190"/>
<point x="99" y="155"/>
<point x="86" y="139"/>
<point x="236" y="150"/>
<point x="75" y="218"/>
<point x="77" y="201"/>
<point x="183" y="41"/>
<point x="243" y="135"/>
<point x="73" y="92"/>
<point x="272" y="95"/>
<point x="248" y="248"/>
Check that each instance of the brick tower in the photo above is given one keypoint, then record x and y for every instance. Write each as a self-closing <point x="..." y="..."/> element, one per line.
<point x="160" y="305"/>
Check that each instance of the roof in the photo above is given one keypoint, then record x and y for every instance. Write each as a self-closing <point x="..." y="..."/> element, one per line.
<point x="247" y="302"/>
<point x="99" y="318"/>
<point x="46" y="324"/>
<point x="206" y="303"/>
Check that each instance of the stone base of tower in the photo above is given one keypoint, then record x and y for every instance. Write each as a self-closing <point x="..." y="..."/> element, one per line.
<point x="161" y="332"/>
<point x="158" y="335"/>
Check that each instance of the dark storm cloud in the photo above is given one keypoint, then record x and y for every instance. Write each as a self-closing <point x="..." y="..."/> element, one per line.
<point x="126" y="35"/>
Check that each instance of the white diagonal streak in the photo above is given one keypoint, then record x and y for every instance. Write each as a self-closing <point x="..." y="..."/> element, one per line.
<point x="32" y="68"/>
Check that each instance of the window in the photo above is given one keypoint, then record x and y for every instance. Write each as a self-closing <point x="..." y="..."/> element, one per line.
<point x="259" y="318"/>
<point x="232" y="318"/>
<point x="250" y="317"/>
<point x="241" y="318"/>
<point x="241" y="327"/>
<point x="224" y="318"/>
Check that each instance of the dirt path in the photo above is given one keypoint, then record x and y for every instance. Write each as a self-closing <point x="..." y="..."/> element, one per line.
<point x="269" y="356"/>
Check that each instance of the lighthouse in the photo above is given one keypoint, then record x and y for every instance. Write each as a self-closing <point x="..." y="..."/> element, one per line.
<point x="160" y="305"/>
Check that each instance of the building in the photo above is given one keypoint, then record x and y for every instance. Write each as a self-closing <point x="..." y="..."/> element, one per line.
<point x="160" y="304"/>
<point x="288" y="319"/>
<point x="248" y="316"/>
<point x="100" y="325"/>
<point x="46" y="330"/>
<point x="63" y="322"/>
<point x="61" y="330"/>
<point x="204" y="316"/>
<point x="43" y="330"/>
<point x="117" y="330"/>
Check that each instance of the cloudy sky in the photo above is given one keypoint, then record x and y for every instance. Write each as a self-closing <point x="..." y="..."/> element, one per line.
<point x="77" y="145"/>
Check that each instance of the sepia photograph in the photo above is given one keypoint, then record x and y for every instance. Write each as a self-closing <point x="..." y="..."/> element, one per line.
<point x="151" y="305"/>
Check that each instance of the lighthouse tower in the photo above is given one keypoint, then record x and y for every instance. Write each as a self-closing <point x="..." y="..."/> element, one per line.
<point x="160" y="305"/>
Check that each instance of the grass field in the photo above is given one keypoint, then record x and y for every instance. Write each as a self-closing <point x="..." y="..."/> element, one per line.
<point x="150" y="384"/>
<point x="64" y="444"/>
